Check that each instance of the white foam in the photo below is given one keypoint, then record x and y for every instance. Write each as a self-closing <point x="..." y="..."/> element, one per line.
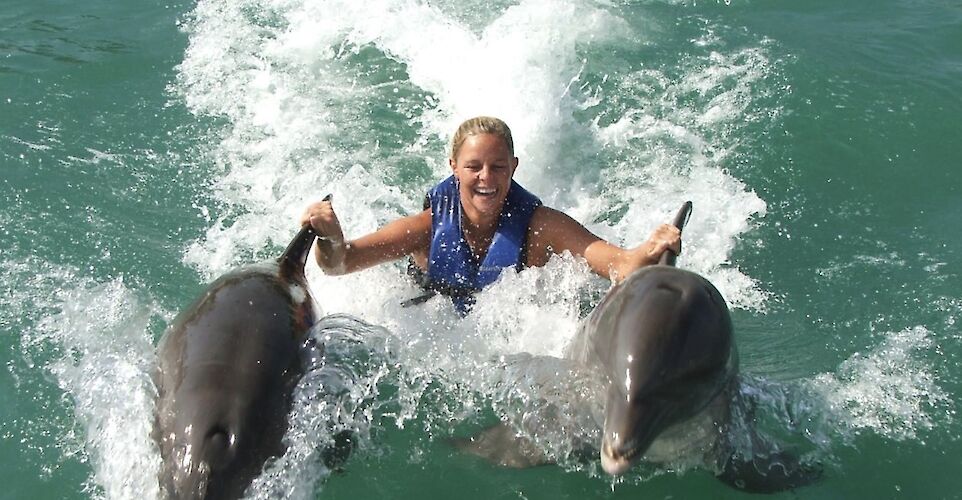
<point x="292" y="91"/>
<point x="93" y="339"/>
<point x="339" y="392"/>
<point x="295" y="81"/>
<point x="889" y="390"/>
<point x="303" y="85"/>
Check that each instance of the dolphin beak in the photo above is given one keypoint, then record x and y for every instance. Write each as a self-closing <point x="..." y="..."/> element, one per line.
<point x="612" y="463"/>
<point x="630" y="428"/>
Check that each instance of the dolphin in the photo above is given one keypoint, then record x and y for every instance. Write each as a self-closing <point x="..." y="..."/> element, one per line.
<point x="662" y="339"/>
<point x="227" y="367"/>
<point x="664" y="342"/>
<point x="662" y="345"/>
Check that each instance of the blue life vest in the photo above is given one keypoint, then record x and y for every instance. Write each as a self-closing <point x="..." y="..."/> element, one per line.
<point x="452" y="268"/>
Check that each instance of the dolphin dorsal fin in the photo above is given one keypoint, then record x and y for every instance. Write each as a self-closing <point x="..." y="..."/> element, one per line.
<point x="681" y="218"/>
<point x="293" y="259"/>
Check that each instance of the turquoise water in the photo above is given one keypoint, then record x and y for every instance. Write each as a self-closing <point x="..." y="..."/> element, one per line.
<point x="147" y="147"/>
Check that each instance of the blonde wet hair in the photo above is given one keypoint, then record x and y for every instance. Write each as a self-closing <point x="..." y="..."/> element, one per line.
<point x="481" y="125"/>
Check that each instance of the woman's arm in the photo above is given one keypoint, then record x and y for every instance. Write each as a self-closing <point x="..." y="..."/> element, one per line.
<point x="407" y="235"/>
<point x="553" y="232"/>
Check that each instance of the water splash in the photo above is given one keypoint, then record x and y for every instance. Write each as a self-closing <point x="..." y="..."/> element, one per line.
<point x="395" y="93"/>
<point x="335" y="406"/>
<point x="890" y="390"/>
<point x="94" y="340"/>
<point x="359" y="100"/>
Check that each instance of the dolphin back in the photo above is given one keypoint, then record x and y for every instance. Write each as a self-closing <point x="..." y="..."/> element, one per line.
<point x="227" y="367"/>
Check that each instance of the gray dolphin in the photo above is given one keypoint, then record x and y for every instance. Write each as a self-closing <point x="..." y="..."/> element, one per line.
<point x="226" y="369"/>
<point x="663" y="346"/>
<point x="663" y="341"/>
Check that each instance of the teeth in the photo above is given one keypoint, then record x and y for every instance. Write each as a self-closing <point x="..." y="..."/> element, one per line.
<point x="485" y="191"/>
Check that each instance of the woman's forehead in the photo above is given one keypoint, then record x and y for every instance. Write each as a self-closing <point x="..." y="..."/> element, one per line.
<point x="487" y="145"/>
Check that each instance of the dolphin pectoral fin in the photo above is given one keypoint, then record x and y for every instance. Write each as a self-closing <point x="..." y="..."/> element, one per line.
<point x="766" y="467"/>
<point x="500" y="445"/>
<point x="779" y="471"/>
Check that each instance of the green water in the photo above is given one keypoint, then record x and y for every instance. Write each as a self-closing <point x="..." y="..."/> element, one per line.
<point x="147" y="147"/>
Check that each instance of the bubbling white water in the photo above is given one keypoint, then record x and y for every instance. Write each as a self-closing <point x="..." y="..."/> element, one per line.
<point x="106" y="370"/>
<point x="358" y="99"/>
<point x="338" y="395"/>
<point x="307" y="90"/>
<point x="888" y="390"/>
<point x="296" y="75"/>
<point x="93" y="338"/>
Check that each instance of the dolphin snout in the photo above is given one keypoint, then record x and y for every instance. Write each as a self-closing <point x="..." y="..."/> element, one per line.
<point x="630" y="428"/>
<point x="622" y="445"/>
<point x="613" y="462"/>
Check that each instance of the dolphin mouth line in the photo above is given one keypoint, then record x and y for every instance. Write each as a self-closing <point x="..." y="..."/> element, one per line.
<point x="617" y="462"/>
<point x="631" y="454"/>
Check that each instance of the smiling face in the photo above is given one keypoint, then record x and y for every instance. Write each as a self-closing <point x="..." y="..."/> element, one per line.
<point x="483" y="167"/>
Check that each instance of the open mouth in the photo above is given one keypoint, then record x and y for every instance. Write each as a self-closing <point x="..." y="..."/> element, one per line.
<point x="485" y="191"/>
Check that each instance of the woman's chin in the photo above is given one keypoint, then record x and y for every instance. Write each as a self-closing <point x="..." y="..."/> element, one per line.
<point x="487" y="207"/>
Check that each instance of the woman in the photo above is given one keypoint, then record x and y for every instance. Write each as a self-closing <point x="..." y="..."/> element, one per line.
<point x="476" y="223"/>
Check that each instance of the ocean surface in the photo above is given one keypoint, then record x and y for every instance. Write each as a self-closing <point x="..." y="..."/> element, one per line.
<point x="147" y="147"/>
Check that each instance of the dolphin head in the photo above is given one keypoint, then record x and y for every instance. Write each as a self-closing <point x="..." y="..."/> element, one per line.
<point x="664" y="337"/>
<point x="227" y="425"/>
<point x="226" y="371"/>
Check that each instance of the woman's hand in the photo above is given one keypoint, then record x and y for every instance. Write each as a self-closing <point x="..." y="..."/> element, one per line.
<point x="665" y="237"/>
<point x="331" y="249"/>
